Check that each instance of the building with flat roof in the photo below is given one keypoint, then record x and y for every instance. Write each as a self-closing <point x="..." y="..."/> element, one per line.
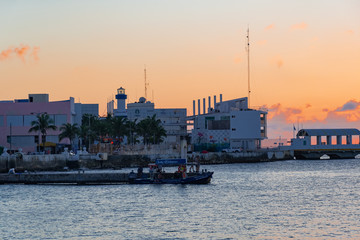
<point x="227" y="124"/>
<point x="16" y="117"/>
<point x="172" y="119"/>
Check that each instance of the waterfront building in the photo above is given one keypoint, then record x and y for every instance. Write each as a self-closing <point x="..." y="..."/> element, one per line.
<point x="335" y="143"/>
<point x="16" y="117"/>
<point x="172" y="119"/>
<point x="227" y="124"/>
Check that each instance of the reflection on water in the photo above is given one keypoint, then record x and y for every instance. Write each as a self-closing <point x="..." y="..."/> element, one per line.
<point x="277" y="200"/>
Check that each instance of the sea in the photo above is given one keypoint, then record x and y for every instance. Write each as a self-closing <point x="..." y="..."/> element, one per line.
<point x="313" y="199"/>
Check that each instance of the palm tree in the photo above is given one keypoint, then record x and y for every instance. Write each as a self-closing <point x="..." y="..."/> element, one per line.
<point x="131" y="131"/>
<point x="151" y="130"/>
<point x="118" y="127"/>
<point x="69" y="131"/>
<point x="42" y="124"/>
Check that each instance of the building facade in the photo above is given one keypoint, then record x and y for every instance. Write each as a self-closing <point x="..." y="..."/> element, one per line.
<point x="16" y="117"/>
<point x="227" y="124"/>
<point x="172" y="119"/>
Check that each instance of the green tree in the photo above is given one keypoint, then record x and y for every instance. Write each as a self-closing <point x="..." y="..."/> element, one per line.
<point x="131" y="131"/>
<point x="118" y="127"/>
<point x="42" y="123"/>
<point x="151" y="130"/>
<point x="69" y="131"/>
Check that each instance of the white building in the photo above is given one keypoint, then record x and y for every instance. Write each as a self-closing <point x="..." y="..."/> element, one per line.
<point x="173" y="119"/>
<point x="228" y="124"/>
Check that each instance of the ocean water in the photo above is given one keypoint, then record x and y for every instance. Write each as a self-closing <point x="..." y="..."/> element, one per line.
<point x="275" y="200"/>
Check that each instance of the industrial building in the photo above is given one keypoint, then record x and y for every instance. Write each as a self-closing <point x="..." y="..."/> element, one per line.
<point x="172" y="119"/>
<point x="16" y="117"/>
<point x="227" y="124"/>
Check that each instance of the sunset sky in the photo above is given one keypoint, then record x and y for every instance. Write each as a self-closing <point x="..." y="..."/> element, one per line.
<point x="305" y="55"/>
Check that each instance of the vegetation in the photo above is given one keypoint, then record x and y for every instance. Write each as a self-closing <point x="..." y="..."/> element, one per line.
<point x="42" y="124"/>
<point x="117" y="128"/>
<point x="70" y="131"/>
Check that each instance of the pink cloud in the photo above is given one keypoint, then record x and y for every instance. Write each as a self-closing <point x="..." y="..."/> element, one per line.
<point x="281" y="119"/>
<point x="299" y="26"/>
<point x="271" y="26"/>
<point x="21" y="52"/>
<point x="6" y="53"/>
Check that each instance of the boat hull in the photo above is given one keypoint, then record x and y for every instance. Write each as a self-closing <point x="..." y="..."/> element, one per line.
<point x="201" y="178"/>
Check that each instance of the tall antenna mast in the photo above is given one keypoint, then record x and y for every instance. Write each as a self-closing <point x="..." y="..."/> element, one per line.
<point x="145" y="82"/>
<point x="248" y="56"/>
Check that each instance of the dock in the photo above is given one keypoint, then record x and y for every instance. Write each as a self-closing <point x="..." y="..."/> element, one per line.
<point x="73" y="177"/>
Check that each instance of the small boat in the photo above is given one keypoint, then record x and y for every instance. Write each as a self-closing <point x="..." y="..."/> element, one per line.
<point x="157" y="175"/>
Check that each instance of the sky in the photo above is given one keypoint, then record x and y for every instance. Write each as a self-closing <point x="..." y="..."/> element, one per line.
<point x="304" y="55"/>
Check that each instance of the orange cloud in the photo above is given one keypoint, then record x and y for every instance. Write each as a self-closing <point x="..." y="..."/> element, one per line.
<point x="271" y="26"/>
<point x="281" y="119"/>
<point x="20" y="52"/>
<point x="6" y="53"/>
<point x="299" y="26"/>
<point x="286" y="114"/>
<point x="307" y="105"/>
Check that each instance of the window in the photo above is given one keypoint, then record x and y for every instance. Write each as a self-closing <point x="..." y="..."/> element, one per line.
<point x="60" y="119"/>
<point x="15" y="120"/>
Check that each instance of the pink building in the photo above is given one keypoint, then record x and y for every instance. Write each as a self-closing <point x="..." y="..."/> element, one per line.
<point x="16" y="117"/>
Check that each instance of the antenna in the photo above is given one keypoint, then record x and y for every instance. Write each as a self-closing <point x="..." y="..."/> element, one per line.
<point x="248" y="58"/>
<point x="146" y="84"/>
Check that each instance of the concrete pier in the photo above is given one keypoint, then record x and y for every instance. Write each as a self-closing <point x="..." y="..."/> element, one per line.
<point x="78" y="177"/>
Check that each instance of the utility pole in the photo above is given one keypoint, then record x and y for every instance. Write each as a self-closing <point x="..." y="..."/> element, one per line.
<point x="10" y="138"/>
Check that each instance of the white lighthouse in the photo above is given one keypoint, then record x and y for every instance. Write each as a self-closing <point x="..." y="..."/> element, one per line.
<point x="121" y="99"/>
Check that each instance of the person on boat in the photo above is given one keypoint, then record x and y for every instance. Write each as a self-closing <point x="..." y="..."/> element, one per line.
<point x="151" y="172"/>
<point x="197" y="161"/>
<point x="139" y="171"/>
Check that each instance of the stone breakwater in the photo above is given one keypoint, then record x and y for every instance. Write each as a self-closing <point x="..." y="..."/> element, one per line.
<point x="59" y="162"/>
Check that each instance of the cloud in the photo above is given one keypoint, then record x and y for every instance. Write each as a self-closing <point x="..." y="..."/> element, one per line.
<point x="6" y="53"/>
<point x="299" y="26"/>
<point x="278" y="112"/>
<point x="350" y="105"/>
<point x="271" y="26"/>
<point x="282" y="118"/>
<point x="21" y="52"/>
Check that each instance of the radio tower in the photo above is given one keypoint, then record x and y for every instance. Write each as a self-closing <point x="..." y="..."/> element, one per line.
<point x="248" y="58"/>
<point x="146" y="84"/>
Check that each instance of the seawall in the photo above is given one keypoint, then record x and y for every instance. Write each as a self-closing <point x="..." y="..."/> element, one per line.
<point x="57" y="162"/>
